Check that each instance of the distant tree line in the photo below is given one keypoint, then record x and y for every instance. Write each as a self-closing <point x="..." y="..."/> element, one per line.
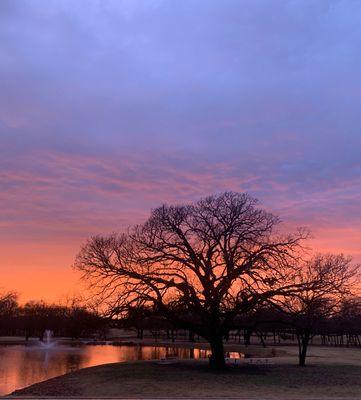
<point x="33" y="318"/>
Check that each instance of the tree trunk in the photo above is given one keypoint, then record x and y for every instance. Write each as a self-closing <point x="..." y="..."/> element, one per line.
<point x="303" y="340"/>
<point x="247" y="337"/>
<point x="217" y="360"/>
<point x="262" y="340"/>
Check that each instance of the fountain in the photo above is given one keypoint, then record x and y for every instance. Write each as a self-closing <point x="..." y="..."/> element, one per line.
<point x="48" y="343"/>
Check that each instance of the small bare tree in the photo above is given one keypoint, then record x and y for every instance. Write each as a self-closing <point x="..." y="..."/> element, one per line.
<point x="326" y="281"/>
<point x="198" y="265"/>
<point x="8" y="301"/>
<point x="8" y="304"/>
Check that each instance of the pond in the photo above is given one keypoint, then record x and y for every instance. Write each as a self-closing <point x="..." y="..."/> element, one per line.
<point x="22" y="366"/>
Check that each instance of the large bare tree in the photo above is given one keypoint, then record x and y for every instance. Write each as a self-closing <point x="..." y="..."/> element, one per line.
<point x="198" y="265"/>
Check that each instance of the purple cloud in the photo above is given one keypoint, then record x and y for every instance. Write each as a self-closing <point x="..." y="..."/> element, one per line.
<point x="110" y="109"/>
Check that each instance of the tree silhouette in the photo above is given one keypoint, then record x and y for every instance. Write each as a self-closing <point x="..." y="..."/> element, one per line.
<point x="327" y="280"/>
<point x="199" y="265"/>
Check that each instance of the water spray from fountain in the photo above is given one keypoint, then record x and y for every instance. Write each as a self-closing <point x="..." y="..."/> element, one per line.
<point x="48" y="342"/>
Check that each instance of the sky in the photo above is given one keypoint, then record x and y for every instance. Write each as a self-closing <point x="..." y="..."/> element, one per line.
<point x="111" y="108"/>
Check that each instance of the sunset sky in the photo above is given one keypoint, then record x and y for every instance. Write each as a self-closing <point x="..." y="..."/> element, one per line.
<point x="111" y="108"/>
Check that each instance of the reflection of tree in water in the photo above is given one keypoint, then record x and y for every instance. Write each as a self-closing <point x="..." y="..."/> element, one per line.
<point x="191" y="353"/>
<point x="31" y="365"/>
<point x="156" y="353"/>
<point x="139" y="352"/>
<point x="76" y="361"/>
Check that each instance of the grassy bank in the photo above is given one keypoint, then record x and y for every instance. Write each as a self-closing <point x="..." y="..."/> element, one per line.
<point x="332" y="373"/>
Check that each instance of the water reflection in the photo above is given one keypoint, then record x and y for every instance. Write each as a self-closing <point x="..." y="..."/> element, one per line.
<point x="21" y="366"/>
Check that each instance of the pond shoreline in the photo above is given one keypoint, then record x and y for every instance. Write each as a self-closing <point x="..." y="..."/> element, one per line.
<point x="25" y="363"/>
<point x="331" y="373"/>
<point x="193" y="379"/>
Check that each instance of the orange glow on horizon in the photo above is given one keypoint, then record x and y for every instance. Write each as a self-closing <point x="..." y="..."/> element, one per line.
<point x="40" y="272"/>
<point x="43" y="271"/>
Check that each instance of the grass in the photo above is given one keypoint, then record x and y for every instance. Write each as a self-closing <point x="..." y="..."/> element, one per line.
<point x="331" y="373"/>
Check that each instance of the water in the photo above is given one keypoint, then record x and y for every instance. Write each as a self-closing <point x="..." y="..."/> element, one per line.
<point x="22" y="366"/>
